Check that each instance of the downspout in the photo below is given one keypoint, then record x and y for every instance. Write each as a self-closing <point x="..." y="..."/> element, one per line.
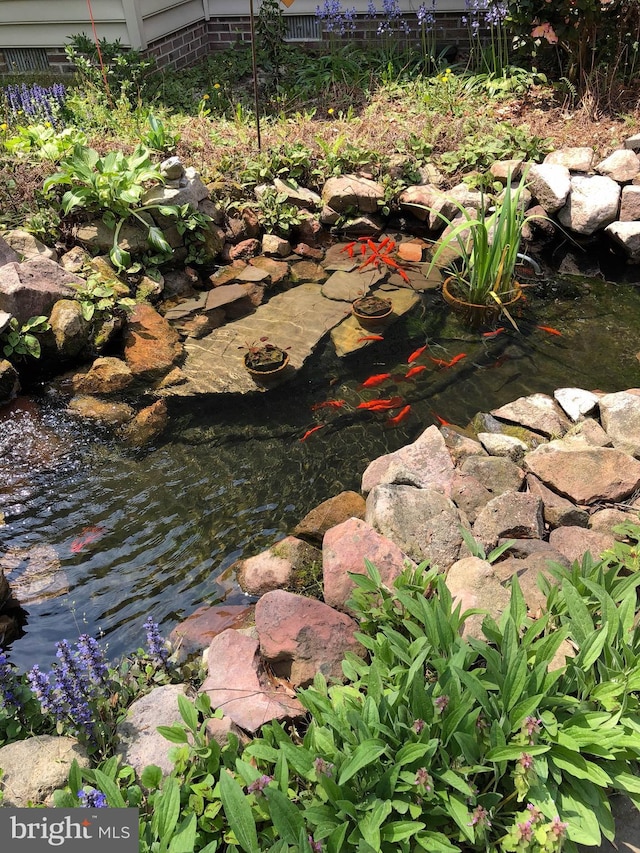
<point x="206" y="10"/>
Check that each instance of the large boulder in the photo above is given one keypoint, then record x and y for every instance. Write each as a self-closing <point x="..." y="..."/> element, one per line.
<point x="350" y="191"/>
<point x="195" y="633"/>
<point x="70" y="330"/>
<point x="300" y="637"/>
<point x="474" y="585"/>
<point x="291" y="562"/>
<point x="151" y="346"/>
<point x="592" y="204"/>
<point x="32" y="288"/>
<point x="620" y="417"/>
<point x="626" y="235"/>
<point x="537" y="412"/>
<point x="426" y="464"/>
<point x="34" y="768"/>
<point x="621" y="165"/>
<point x="577" y="159"/>
<point x="550" y="184"/>
<point x="328" y="514"/>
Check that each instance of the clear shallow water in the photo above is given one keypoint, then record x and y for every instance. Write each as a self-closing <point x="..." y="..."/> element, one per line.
<point x="230" y="476"/>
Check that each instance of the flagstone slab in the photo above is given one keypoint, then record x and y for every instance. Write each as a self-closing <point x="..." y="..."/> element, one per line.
<point x="295" y="320"/>
<point x="350" y="336"/>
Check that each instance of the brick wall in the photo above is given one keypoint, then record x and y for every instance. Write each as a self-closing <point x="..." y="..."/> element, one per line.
<point x="182" y="48"/>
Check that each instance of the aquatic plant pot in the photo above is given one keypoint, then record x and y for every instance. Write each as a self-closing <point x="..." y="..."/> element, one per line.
<point x="477" y="315"/>
<point x="371" y="310"/>
<point x="267" y="363"/>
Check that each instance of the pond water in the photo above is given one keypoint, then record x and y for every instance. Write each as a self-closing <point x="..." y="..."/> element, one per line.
<point x="231" y="476"/>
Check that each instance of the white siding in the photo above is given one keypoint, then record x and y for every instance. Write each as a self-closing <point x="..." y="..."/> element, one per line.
<point x="162" y="17"/>
<point x="308" y="7"/>
<point x="48" y="23"/>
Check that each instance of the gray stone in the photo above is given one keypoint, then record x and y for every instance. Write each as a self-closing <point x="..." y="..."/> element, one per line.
<point x="587" y="433"/>
<point x="497" y="475"/>
<point x="578" y="159"/>
<point x="351" y="191"/>
<point x="32" y="288"/>
<point x="7" y="254"/>
<point x="557" y="511"/>
<point x="576" y="402"/>
<point x="422" y="522"/>
<point x="627" y="236"/>
<point x="473" y="585"/>
<point x="238" y="683"/>
<point x="606" y="519"/>
<point x="172" y="168"/>
<point x="503" y="170"/>
<point x="497" y="444"/>
<point x="633" y="142"/>
<point x="429" y="204"/>
<point x="620" y="418"/>
<point x="515" y="515"/>
<point x="34" y="768"/>
<point x="5" y="319"/>
<point x="346" y="286"/>
<point x="538" y="412"/>
<point x="585" y="476"/>
<point x="34" y="574"/>
<point x="27" y="246"/>
<point x="469" y="495"/>
<point x="192" y="192"/>
<point x="459" y="445"/>
<point x="98" y="236"/>
<point x="278" y="566"/>
<point x="426" y="462"/>
<point x="630" y="204"/>
<point x="139" y="742"/>
<point x="70" y="330"/>
<point x="298" y="196"/>
<point x="621" y="165"/>
<point x="365" y="225"/>
<point x="550" y="184"/>
<point x="592" y="204"/>
<point x="274" y="245"/>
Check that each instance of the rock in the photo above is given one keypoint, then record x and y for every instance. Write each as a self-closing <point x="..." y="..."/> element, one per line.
<point x="516" y="515"/>
<point x="290" y="563"/>
<point x="307" y="271"/>
<point x="633" y="142"/>
<point x="557" y="511"/>
<point x="276" y="271"/>
<point x="34" y="768"/>
<point x="107" y="413"/>
<point x="429" y="204"/>
<point x="504" y="170"/>
<point x="308" y="230"/>
<point x="213" y="241"/>
<point x="191" y="191"/>
<point x="34" y="574"/>
<point x="146" y="426"/>
<point x="630" y="204"/>
<point x="585" y="476"/>
<point x="620" y="417"/>
<point x="426" y="463"/>
<point x="107" y="375"/>
<point x="32" y="288"/>
<point x="550" y="184"/>
<point x="497" y="444"/>
<point x="75" y="260"/>
<point x="459" y="445"/>
<point x="365" y="225"/>
<point x="274" y="245"/>
<point x="538" y="412"/>
<point x="497" y="475"/>
<point x="573" y="542"/>
<point x="627" y="236"/>
<point x="27" y="246"/>
<point x="576" y="402"/>
<point x="298" y="196"/>
<point x="300" y="637"/>
<point x="422" y="522"/>
<point x="97" y="236"/>
<point x="70" y="329"/>
<point x="592" y="204"/>
<point x="7" y="254"/>
<point x="528" y="579"/>
<point x="346" y="286"/>
<point x="466" y="197"/>
<point x="469" y="495"/>
<point x="245" y="249"/>
<point x="412" y="251"/>
<point x="350" y="191"/>
<point x="139" y="742"/>
<point x="195" y="633"/>
<point x="622" y="165"/>
<point x="587" y="433"/>
<point x="10" y="381"/>
<point x="172" y="168"/>
<point x="328" y="514"/>
<point x="219" y="729"/>
<point x="309" y="252"/>
<point x="579" y="159"/>
<point x="345" y="548"/>
<point x="151" y="346"/>
<point x="606" y="519"/>
<point x="473" y="585"/>
<point x="238" y="683"/>
<point x="5" y="321"/>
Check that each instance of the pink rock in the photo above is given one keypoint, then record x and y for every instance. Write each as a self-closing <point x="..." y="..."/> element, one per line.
<point x="31" y="289"/>
<point x="301" y="636"/>
<point x="278" y="566"/>
<point x="238" y="683"/>
<point x="573" y="542"/>
<point x="473" y="584"/>
<point x="426" y="463"/>
<point x="196" y="632"/>
<point x="326" y="515"/>
<point x="245" y="249"/>
<point x="345" y="548"/>
<point x="585" y="476"/>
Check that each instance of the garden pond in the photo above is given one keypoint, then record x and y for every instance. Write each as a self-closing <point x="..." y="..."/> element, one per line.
<point x="150" y="532"/>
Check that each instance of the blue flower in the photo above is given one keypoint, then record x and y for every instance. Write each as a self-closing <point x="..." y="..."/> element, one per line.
<point x="92" y="799"/>
<point x="155" y="643"/>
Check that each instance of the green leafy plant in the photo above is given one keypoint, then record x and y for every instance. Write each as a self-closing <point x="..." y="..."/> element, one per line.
<point x="99" y="299"/>
<point x="277" y="215"/>
<point x="20" y="341"/>
<point x="44" y="141"/>
<point x="159" y="137"/>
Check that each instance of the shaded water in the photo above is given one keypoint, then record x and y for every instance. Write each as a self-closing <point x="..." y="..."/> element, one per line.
<point x="230" y="476"/>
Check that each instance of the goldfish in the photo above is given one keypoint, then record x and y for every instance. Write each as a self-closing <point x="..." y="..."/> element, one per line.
<point x="348" y="248"/>
<point x="371" y="338"/>
<point x="381" y="405"/>
<point x="328" y="404"/>
<point x="549" y="330"/>
<point x="311" y="431"/>
<point x="416" y="354"/>
<point x="402" y="414"/>
<point x="376" y="379"/>
<point x="440" y="420"/>
<point x="413" y="371"/>
<point x="457" y="358"/>
<point x="88" y="535"/>
<point x="494" y="333"/>
<point x="439" y="362"/>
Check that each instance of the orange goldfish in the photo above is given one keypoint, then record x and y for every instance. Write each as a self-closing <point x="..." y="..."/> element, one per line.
<point x="371" y="338"/>
<point x="439" y="362"/>
<point x="494" y="333"/>
<point x="402" y="414"/>
<point x="413" y="371"/>
<point x="416" y="354"/>
<point x="381" y="405"/>
<point x="376" y="379"/>
<point x="457" y="358"/>
<point x="328" y="404"/>
<point x="311" y="431"/>
<point x="549" y="330"/>
<point x="88" y="535"/>
<point x="440" y="420"/>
